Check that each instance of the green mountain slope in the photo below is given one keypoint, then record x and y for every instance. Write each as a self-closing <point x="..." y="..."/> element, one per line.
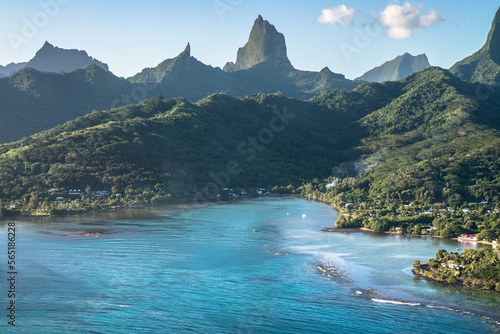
<point x="431" y="162"/>
<point x="484" y="65"/>
<point x="422" y="138"/>
<point x="434" y="143"/>
<point x="172" y="148"/>
<point x="32" y="101"/>
<point x="397" y="68"/>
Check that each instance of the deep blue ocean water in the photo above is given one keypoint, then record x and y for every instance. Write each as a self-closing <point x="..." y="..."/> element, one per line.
<point x="244" y="267"/>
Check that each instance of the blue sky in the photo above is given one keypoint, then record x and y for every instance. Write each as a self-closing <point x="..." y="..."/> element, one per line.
<point x="131" y="35"/>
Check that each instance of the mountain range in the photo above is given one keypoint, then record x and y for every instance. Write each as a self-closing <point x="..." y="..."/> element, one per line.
<point x="262" y="66"/>
<point x="34" y="98"/>
<point x="427" y="126"/>
<point x="49" y="100"/>
<point x="427" y="137"/>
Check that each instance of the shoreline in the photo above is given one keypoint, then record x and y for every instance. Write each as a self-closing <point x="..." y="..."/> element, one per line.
<point x="364" y="229"/>
<point x="484" y="242"/>
<point x="460" y="284"/>
<point x="176" y="206"/>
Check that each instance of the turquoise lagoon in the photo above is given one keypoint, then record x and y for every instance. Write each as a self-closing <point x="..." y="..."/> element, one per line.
<point x="244" y="267"/>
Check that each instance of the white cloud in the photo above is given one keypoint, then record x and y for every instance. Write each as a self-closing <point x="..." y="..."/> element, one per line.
<point x="341" y="15"/>
<point x="402" y="20"/>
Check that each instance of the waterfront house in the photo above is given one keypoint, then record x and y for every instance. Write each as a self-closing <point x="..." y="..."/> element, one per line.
<point x="471" y="237"/>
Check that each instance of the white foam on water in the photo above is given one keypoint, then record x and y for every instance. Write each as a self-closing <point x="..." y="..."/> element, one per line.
<point x="394" y="302"/>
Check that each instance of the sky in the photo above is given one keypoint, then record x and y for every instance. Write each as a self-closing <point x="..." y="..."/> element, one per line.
<point x="350" y="37"/>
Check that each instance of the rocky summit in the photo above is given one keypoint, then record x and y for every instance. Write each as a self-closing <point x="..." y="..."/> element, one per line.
<point x="265" y="44"/>
<point x="484" y="65"/>
<point x="53" y="59"/>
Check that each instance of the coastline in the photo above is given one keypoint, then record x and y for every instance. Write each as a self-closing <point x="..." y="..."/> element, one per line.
<point x="175" y="206"/>
<point x="459" y="283"/>
<point x="364" y="229"/>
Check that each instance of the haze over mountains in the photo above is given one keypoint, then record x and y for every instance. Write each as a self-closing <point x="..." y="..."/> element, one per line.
<point x="397" y="68"/>
<point x="10" y="68"/>
<point x="53" y="59"/>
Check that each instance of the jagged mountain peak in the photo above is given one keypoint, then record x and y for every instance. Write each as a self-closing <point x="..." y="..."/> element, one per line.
<point x="51" y="58"/>
<point x="265" y="44"/>
<point x="484" y="65"/>
<point x="493" y="42"/>
<point x="46" y="45"/>
<point x="167" y="69"/>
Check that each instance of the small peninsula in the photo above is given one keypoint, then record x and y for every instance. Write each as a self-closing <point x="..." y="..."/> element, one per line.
<point x="476" y="269"/>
